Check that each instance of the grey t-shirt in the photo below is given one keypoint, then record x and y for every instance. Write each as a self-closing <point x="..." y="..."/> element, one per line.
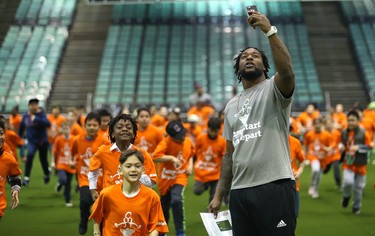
<point x="257" y="123"/>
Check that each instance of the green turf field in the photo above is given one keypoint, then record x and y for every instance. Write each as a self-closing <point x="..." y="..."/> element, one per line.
<point x="42" y="212"/>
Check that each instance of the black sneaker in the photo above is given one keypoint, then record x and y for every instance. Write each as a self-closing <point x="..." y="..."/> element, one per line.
<point x="345" y="202"/>
<point x="356" y="210"/>
<point x="46" y="179"/>
<point x="25" y="182"/>
<point x="82" y="228"/>
<point x="58" y="187"/>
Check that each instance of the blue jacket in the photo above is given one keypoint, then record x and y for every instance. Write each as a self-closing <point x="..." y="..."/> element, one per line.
<point x="36" y="130"/>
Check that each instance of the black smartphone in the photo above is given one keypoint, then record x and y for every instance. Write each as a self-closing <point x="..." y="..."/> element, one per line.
<point x="251" y="9"/>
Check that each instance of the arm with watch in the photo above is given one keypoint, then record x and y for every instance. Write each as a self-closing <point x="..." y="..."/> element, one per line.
<point x="284" y="77"/>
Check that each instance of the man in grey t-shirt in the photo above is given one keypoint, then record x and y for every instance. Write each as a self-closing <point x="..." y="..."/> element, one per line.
<point x="256" y="166"/>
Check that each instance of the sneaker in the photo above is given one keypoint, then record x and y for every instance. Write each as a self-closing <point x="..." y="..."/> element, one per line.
<point x="356" y="210"/>
<point x="25" y="182"/>
<point x="345" y="202"/>
<point x="46" y="179"/>
<point x="311" y="191"/>
<point x="69" y="204"/>
<point x="315" y="195"/>
<point x="58" y="187"/>
<point x="82" y="228"/>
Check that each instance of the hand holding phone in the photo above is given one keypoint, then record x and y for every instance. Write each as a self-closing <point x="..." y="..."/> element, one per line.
<point x="251" y="9"/>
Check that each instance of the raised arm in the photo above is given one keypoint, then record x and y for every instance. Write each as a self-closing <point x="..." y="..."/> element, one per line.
<point x="284" y="77"/>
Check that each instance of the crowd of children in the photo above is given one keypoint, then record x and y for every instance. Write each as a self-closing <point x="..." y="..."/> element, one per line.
<point x="122" y="159"/>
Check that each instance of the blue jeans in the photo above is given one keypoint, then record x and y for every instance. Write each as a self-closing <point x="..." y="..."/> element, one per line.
<point x="65" y="178"/>
<point x="43" y="153"/>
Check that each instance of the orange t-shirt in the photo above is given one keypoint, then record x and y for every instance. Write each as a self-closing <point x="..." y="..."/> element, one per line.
<point x="341" y="119"/>
<point x="368" y="124"/>
<point x="362" y="170"/>
<point x="294" y="126"/>
<point x="296" y="155"/>
<point x="168" y="174"/>
<point x="8" y="167"/>
<point x="82" y="150"/>
<point x="306" y="120"/>
<point x="149" y="138"/>
<point x="54" y="129"/>
<point x="62" y="151"/>
<point x="314" y="143"/>
<point x="122" y="215"/>
<point x="108" y="158"/>
<point x="76" y="130"/>
<point x="14" y="141"/>
<point x="158" y="120"/>
<point x="204" y="114"/>
<point x="209" y="155"/>
<point x="104" y="133"/>
<point x="193" y="131"/>
<point x="335" y="155"/>
<point x="15" y="121"/>
<point x="6" y="148"/>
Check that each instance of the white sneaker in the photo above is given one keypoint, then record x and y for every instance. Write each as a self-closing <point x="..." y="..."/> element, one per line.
<point x="315" y="195"/>
<point x="69" y="204"/>
<point x="311" y="190"/>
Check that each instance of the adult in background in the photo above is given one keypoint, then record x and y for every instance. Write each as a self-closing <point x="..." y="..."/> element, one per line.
<point x="35" y="123"/>
<point x="256" y="165"/>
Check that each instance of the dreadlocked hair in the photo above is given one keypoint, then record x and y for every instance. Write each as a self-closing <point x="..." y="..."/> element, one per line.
<point x="237" y="63"/>
<point x="124" y="117"/>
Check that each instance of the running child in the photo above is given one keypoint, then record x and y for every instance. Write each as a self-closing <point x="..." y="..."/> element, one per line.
<point x="9" y="169"/>
<point x="129" y="208"/>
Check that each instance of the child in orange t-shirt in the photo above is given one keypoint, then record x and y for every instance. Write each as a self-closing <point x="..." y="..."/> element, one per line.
<point x="56" y="120"/>
<point x="333" y="157"/>
<point x="175" y="154"/>
<point x="105" y="118"/>
<point x="84" y="146"/>
<point x="75" y="128"/>
<point x="306" y="118"/>
<point x="356" y="142"/>
<point x="129" y="208"/>
<point x="122" y="132"/>
<point x="318" y="143"/>
<point x="9" y="169"/>
<point x="61" y="154"/>
<point x="12" y="138"/>
<point x="148" y="135"/>
<point x="15" y="119"/>
<point x="297" y="158"/>
<point x="209" y="150"/>
<point x="193" y="127"/>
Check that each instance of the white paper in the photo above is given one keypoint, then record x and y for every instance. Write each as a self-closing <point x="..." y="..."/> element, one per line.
<point x="221" y="226"/>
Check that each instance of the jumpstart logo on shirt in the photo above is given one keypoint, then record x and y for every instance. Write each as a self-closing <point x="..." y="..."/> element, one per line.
<point x="144" y="144"/>
<point x="127" y="227"/>
<point x="251" y="130"/>
<point x="86" y="157"/>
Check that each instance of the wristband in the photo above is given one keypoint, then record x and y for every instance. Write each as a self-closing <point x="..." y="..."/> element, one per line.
<point x="272" y="31"/>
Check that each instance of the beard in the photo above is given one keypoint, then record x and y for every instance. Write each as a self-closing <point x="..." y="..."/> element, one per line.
<point x="252" y="75"/>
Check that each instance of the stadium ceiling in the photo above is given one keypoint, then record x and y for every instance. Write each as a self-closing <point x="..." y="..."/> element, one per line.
<point x="115" y="2"/>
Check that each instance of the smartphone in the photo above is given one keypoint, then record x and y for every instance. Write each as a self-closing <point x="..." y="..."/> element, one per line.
<point x="251" y="9"/>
